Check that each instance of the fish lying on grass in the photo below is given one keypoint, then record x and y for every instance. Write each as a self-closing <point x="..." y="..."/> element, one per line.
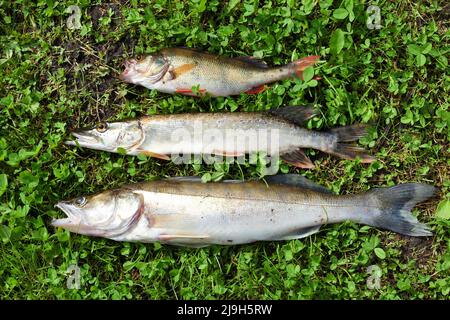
<point x="187" y="212"/>
<point x="177" y="70"/>
<point x="277" y="133"/>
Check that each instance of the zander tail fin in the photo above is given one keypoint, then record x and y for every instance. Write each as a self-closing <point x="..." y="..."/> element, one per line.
<point x="348" y="151"/>
<point x="394" y="208"/>
<point x="300" y="65"/>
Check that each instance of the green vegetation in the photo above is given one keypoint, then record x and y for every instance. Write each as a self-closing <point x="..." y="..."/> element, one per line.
<point x="54" y="79"/>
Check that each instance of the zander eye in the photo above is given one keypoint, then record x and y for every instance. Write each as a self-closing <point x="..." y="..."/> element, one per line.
<point x="102" y="127"/>
<point x="81" y="201"/>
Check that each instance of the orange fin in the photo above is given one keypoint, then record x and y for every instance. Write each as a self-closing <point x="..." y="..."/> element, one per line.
<point x="189" y="91"/>
<point x="256" y="90"/>
<point x="301" y="64"/>
<point x="154" y="155"/>
<point x="182" y="69"/>
<point x="298" y="158"/>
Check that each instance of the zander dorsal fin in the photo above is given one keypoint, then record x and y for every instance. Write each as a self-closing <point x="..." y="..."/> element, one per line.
<point x="296" y="114"/>
<point x="300" y="233"/>
<point x="296" y="180"/>
<point x="254" y="61"/>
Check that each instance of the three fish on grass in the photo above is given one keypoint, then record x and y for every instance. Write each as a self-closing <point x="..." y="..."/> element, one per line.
<point x="184" y="211"/>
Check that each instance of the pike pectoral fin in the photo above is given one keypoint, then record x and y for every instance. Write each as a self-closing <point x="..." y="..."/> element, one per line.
<point x="228" y="153"/>
<point x="154" y="155"/>
<point x="298" y="158"/>
<point x="256" y="90"/>
<point x="300" y="233"/>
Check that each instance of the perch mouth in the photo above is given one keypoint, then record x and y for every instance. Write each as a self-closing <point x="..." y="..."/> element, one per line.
<point x="129" y="67"/>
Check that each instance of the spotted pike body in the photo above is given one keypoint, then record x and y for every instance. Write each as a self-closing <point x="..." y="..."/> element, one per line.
<point x="278" y="133"/>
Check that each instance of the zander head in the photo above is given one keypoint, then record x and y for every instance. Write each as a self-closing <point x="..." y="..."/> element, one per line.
<point x="107" y="214"/>
<point x="145" y="72"/>
<point x="110" y="136"/>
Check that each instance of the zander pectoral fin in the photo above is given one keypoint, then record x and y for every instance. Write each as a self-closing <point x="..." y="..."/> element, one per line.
<point x="300" y="233"/>
<point x="184" y="237"/>
<point x="154" y="155"/>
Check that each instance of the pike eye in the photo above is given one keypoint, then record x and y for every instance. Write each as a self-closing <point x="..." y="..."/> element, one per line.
<point x="102" y="127"/>
<point x="81" y="201"/>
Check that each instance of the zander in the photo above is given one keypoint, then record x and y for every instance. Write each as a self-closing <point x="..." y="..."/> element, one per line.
<point x="184" y="211"/>
<point x="177" y="70"/>
<point x="278" y="133"/>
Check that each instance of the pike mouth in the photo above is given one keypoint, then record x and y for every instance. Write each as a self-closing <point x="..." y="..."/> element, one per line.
<point x="83" y="139"/>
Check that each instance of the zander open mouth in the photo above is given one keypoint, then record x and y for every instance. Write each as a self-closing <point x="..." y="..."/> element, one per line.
<point x="70" y="220"/>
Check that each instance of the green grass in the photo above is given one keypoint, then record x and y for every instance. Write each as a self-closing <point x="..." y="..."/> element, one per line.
<point x="54" y="79"/>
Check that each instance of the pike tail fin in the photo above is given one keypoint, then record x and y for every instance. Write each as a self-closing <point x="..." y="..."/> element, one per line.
<point x="300" y="65"/>
<point x="349" y="151"/>
<point x="394" y="208"/>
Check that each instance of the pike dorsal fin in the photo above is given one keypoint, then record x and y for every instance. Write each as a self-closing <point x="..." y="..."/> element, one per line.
<point x="254" y="61"/>
<point x="296" y="114"/>
<point x="296" y="180"/>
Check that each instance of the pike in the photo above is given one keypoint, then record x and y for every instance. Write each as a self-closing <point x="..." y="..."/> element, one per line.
<point x="177" y="70"/>
<point x="186" y="212"/>
<point x="278" y="133"/>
